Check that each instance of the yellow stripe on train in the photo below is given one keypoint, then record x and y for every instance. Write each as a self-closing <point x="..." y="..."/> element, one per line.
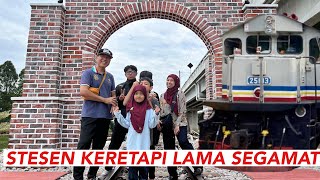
<point x="270" y="93"/>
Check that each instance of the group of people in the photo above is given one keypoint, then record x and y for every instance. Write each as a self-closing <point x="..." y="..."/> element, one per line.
<point x="138" y="111"/>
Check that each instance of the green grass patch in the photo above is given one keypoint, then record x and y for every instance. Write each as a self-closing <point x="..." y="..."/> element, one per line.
<point x="4" y="135"/>
<point x="4" y="128"/>
<point x="5" y="116"/>
<point x="4" y="140"/>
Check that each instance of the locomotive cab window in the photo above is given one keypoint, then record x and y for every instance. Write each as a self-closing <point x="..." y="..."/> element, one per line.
<point x="232" y="46"/>
<point x="314" y="48"/>
<point x="253" y="42"/>
<point x="289" y="44"/>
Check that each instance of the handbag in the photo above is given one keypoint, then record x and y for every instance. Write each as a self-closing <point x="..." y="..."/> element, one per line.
<point x="168" y="120"/>
<point x="97" y="90"/>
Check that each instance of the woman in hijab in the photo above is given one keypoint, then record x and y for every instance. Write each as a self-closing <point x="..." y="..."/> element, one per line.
<point x="173" y="103"/>
<point x="140" y="118"/>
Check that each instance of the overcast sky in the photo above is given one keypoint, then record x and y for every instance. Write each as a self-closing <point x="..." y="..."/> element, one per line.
<point x="160" y="46"/>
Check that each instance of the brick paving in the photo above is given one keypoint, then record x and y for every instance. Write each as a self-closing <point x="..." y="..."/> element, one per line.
<point x="296" y="174"/>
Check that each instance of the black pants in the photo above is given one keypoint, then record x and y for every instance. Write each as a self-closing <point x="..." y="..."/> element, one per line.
<point x="169" y="143"/>
<point x="155" y="136"/>
<point x="95" y="131"/>
<point x="184" y="142"/>
<point x="138" y="173"/>
<point x="155" y="140"/>
<point x="152" y="169"/>
<point x="118" y="135"/>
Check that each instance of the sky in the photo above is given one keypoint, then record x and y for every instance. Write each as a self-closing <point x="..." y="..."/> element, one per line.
<point x="160" y="46"/>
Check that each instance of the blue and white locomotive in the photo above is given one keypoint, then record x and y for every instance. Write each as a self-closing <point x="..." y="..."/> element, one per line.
<point x="270" y="88"/>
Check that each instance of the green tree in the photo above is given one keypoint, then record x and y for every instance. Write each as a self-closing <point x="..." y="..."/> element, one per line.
<point x="5" y="101"/>
<point x="8" y="77"/>
<point x="8" y="85"/>
<point x="20" y="83"/>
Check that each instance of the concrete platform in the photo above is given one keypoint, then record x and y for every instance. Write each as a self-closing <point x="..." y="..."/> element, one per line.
<point x="296" y="174"/>
<point x="31" y="175"/>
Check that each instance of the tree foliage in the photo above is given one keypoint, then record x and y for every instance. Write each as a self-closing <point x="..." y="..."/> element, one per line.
<point x="10" y="85"/>
<point x="8" y="77"/>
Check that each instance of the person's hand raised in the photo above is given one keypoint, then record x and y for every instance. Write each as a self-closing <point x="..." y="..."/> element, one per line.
<point x="157" y="109"/>
<point x="136" y="83"/>
<point x="122" y="96"/>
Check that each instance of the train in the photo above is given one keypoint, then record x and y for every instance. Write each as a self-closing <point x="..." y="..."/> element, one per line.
<point x="270" y="88"/>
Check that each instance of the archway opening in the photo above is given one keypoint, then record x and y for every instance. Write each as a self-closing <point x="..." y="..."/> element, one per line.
<point x="161" y="46"/>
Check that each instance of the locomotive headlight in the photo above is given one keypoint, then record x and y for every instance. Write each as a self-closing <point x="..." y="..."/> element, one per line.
<point x="300" y="111"/>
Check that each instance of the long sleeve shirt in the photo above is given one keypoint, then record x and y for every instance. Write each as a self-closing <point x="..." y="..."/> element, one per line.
<point x="181" y="119"/>
<point x="138" y="141"/>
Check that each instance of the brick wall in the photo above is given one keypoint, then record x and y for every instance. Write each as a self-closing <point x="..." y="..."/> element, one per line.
<point x="44" y="51"/>
<point x="63" y="41"/>
<point x="250" y="11"/>
<point x="36" y="116"/>
<point x="35" y="123"/>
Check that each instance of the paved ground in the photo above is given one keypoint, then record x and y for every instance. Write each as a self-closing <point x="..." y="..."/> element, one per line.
<point x="31" y="175"/>
<point x="296" y="174"/>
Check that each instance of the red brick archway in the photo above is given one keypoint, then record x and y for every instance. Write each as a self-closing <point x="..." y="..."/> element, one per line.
<point x="145" y="10"/>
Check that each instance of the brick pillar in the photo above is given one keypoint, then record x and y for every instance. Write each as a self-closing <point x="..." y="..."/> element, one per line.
<point x="36" y="116"/>
<point x="252" y="10"/>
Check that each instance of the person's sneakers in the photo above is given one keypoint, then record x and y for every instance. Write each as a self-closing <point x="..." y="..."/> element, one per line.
<point x="198" y="171"/>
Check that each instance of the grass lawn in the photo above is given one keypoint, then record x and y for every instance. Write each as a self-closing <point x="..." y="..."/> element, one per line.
<point x="4" y="114"/>
<point x="4" y="130"/>
<point x="3" y="141"/>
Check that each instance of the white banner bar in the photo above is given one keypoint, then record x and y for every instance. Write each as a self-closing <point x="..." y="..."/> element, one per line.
<point x="43" y="157"/>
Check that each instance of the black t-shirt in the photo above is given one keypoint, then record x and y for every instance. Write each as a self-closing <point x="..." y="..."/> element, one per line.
<point x="123" y="87"/>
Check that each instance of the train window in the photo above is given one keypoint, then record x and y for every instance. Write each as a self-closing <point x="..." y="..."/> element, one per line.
<point x="314" y="48"/>
<point x="232" y="46"/>
<point x="289" y="44"/>
<point x="263" y="41"/>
